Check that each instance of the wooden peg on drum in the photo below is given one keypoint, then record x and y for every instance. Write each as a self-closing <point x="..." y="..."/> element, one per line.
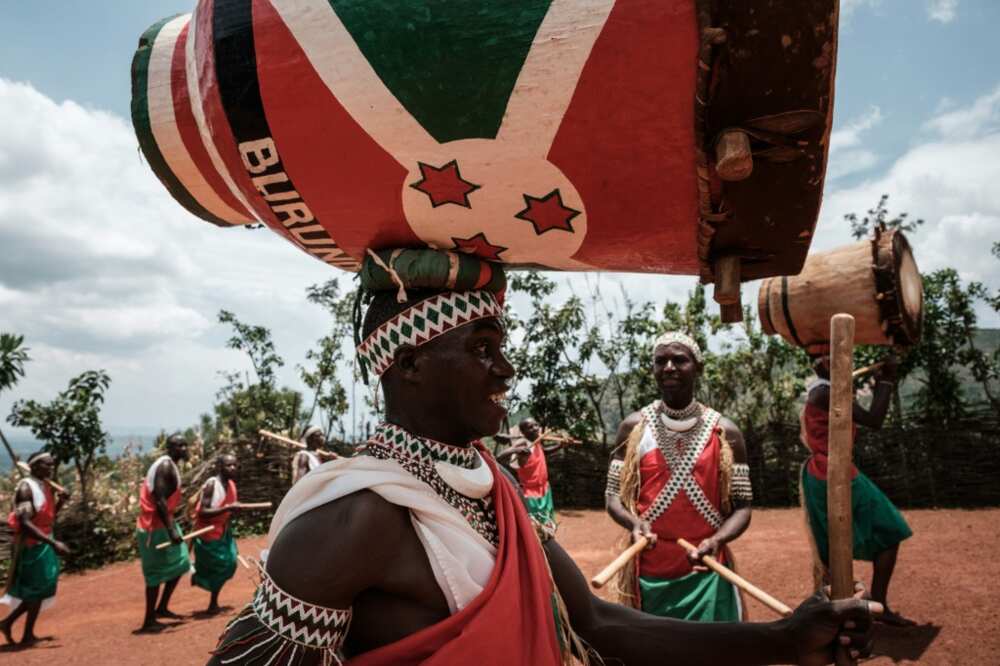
<point x="727" y="289"/>
<point x="733" y="160"/>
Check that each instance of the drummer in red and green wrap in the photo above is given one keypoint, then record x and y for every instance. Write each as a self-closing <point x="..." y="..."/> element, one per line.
<point x="527" y="457"/>
<point x="159" y="498"/>
<point x="878" y="527"/>
<point x="35" y="564"/>
<point x="680" y="471"/>
<point x="215" y="552"/>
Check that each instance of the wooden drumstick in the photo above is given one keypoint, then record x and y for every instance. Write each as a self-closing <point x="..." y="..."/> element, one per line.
<point x="24" y="467"/>
<point x="246" y="565"/>
<point x="186" y="537"/>
<point x="861" y="372"/>
<point x="601" y="579"/>
<point x="838" y="477"/>
<point x="256" y="505"/>
<point x="281" y="439"/>
<point x="739" y="581"/>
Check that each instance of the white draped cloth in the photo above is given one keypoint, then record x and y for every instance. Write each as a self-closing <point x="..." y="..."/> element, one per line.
<point x="462" y="560"/>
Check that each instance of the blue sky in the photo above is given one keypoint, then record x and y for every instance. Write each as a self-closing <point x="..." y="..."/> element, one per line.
<point x="106" y="271"/>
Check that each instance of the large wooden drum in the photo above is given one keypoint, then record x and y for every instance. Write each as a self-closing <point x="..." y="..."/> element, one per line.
<point x="629" y="135"/>
<point x="876" y="281"/>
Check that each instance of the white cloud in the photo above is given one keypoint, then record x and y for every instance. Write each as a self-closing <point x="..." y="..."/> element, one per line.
<point x="848" y="7"/>
<point x="943" y="11"/>
<point x="980" y="117"/>
<point x="949" y="180"/>
<point x="847" y="152"/>
<point x="100" y="268"/>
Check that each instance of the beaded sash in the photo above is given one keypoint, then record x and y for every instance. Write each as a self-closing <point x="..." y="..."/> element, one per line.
<point x="417" y="456"/>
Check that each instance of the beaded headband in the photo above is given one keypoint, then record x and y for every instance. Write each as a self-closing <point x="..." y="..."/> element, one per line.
<point x="424" y="321"/>
<point x="671" y="337"/>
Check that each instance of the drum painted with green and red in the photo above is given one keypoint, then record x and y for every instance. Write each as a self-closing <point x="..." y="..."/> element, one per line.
<point x="566" y="134"/>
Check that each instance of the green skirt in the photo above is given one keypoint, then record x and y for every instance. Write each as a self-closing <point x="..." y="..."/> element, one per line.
<point x="698" y="597"/>
<point x="877" y="523"/>
<point x="160" y="566"/>
<point x="214" y="562"/>
<point x="36" y="573"/>
<point x="541" y="508"/>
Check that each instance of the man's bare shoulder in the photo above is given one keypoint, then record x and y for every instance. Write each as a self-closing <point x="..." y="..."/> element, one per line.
<point x="626" y="427"/>
<point x="328" y="555"/>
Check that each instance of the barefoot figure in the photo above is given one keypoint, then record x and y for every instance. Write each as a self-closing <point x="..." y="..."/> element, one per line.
<point x="35" y="561"/>
<point x="215" y="552"/>
<point x="158" y="499"/>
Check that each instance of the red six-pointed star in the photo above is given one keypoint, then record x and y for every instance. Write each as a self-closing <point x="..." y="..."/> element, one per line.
<point x="547" y="213"/>
<point x="479" y="246"/>
<point x="444" y="184"/>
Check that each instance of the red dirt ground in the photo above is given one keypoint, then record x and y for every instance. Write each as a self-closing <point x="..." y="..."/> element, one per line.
<point x="952" y="599"/>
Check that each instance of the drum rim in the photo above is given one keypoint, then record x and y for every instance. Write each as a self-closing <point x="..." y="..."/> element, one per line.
<point x="905" y="330"/>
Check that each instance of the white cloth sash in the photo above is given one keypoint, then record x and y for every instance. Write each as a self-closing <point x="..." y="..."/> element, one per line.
<point x="462" y="560"/>
<point x="151" y="473"/>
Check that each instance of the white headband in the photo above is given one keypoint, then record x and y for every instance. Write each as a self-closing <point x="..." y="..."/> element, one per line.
<point x="671" y="337"/>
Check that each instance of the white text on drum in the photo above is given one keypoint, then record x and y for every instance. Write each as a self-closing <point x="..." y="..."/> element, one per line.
<point x="258" y="157"/>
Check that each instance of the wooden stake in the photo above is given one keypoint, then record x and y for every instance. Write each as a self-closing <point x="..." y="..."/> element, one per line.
<point x="733" y="159"/>
<point x="838" y="483"/>
<point x="26" y="468"/>
<point x="186" y="537"/>
<point x="739" y="581"/>
<point x="727" y="288"/>
<point x="601" y="579"/>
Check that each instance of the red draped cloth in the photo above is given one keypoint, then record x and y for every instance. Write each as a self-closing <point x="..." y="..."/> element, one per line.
<point x="817" y="432"/>
<point x="218" y="521"/>
<point x="533" y="474"/>
<point x="509" y="624"/>
<point x="43" y="519"/>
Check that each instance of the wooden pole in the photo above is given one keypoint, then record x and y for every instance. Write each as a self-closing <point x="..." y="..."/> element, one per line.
<point x="727" y="288"/>
<point x="186" y="537"/>
<point x="601" y="579"/>
<point x="739" y="581"/>
<point x="839" y="467"/>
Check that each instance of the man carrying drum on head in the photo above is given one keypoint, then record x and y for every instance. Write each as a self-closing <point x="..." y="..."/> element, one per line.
<point x="680" y="471"/>
<point x="34" y="565"/>
<point x="454" y="557"/>
<point x="878" y="526"/>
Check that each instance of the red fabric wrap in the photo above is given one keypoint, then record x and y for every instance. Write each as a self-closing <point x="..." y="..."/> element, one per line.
<point x="510" y="622"/>
<point x="817" y="432"/>
<point x="533" y="474"/>
<point x="148" y="518"/>
<point x="682" y="520"/>
<point x="218" y="522"/>
<point x="43" y="520"/>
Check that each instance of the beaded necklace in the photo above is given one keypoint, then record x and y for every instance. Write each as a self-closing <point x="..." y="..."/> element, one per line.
<point x="417" y="455"/>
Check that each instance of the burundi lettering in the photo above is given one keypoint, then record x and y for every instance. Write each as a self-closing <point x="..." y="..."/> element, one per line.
<point x="261" y="160"/>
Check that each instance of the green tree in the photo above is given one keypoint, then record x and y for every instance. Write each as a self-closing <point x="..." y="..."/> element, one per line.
<point x="246" y="405"/>
<point x="13" y="356"/>
<point x="329" y="394"/>
<point x="70" y="425"/>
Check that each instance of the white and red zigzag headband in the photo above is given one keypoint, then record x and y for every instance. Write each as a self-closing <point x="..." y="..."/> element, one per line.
<point x="424" y="321"/>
